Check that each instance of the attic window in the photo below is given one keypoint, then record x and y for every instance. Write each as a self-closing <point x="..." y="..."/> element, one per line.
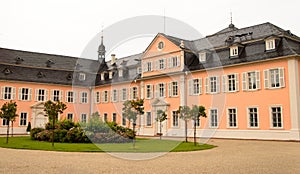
<point x="49" y="63"/>
<point x="103" y="76"/>
<point x="160" y="45"/>
<point x="69" y="77"/>
<point x="19" y="60"/>
<point x="270" y="44"/>
<point x="40" y="74"/>
<point x="7" y="71"/>
<point x="234" y="51"/>
<point x="120" y="72"/>
<point x="202" y="57"/>
<point x="110" y="75"/>
<point x="81" y="76"/>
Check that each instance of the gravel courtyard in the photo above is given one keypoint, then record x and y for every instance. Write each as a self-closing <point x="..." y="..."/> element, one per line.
<point x="231" y="156"/>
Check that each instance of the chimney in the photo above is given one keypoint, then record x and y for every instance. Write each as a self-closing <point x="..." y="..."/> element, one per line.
<point x="113" y="59"/>
<point x="181" y="44"/>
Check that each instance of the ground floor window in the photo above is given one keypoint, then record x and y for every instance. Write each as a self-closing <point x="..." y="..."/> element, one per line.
<point x="23" y="119"/>
<point x="114" y="117"/>
<point x="213" y="118"/>
<point x="174" y="119"/>
<point x="5" y="122"/>
<point x="148" y="119"/>
<point x="276" y="114"/>
<point x="105" y="117"/>
<point x="83" y="118"/>
<point x="253" y="117"/>
<point x="232" y="117"/>
<point x="70" y="116"/>
<point x="123" y="119"/>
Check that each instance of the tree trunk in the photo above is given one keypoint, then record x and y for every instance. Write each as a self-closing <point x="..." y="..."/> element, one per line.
<point x="7" y="133"/>
<point x="53" y="127"/>
<point x="12" y="129"/>
<point x="186" y="140"/>
<point x="194" y="132"/>
<point x="160" y="130"/>
<point x="133" y="134"/>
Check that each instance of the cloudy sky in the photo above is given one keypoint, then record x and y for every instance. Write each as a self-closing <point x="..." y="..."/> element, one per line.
<point x="65" y="27"/>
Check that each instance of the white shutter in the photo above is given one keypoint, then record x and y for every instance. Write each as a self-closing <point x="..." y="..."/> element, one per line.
<point x="121" y="95"/>
<point x="52" y="94"/>
<point x="200" y="85"/>
<point x="157" y="90"/>
<point x="156" y="64"/>
<point x="117" y="95"/>
<point x="165" y="87"/>
<point x="151" y="91"/>
<point x="13" y="93"/>
<point x="20" y="93"/>
<point x="36" y="95"/>
<point x="170" y="89"/>
<point x="80" y="97"/>
<point x="29" y="94"/>
<point x="66" y="96"/>
<point x="244" y="81"/>
<point x="266" y="79"/>
<point x="218" y="84"/>
<point x="257" y="79"/>
<point x="281" y="77"/>
<point x="131" y="94"/>
<point x="165" y="63"/>
<point x="206" y="85"/>
<point x="224" y="83"/>
<point x="145" y="68"/>
<point x="103" y="96"/>
<point x="46" y="95"/>
<point x="169" y="62"/>
<point x="237" y="86"/>
<point x="60" y="95"/>
<point x="2" y="92"/>
<point x="178" y="60"/>
<point x="190" y="83"/>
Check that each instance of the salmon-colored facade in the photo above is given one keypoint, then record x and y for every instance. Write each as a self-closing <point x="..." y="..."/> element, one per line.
<point x="248" y="82"/>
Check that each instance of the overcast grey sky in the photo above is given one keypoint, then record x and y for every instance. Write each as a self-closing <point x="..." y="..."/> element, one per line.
<point x="66" y="26"/>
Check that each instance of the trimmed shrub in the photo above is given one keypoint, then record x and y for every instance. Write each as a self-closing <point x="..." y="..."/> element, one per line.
<point x="34" y="132"/>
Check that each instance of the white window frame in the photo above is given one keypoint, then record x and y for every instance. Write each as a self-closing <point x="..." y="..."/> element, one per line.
<point x="114" y="117"/>
<point x="175" y="122"/>
<point x="230" y="84"/>
<point x="38" y="95"/>
<point x="84" y="97"/>
<point x="271" y="116"/>
<point x="21" y="120"/>
<point x="228" y="117"/>
<point x="114" y="95"/>
<point x="25" y="94"/>
<point x="248" y="117"/>
<point x="160" y="90"/>
<point x="70" y="98"/>
<point x="6" y="121"/>
<point x="83" y="118"/>
<point x="202" y="57"/>
<point x="105" y="96"/>
<point x="234" y="51"/>
<point x="268" y="81"/>
<point x="195" y="86"/>
<point x="148" y="66"/>
<point x="123" y="94"/>
<point x="12" y="93"/>
<point x="97" y="96"/>
<point x="54" y="96"/>
<point x="134" y="93"/>
<point x="149" y="91"/>
<point x="173" y="62"/>
<point x="161" y="64"/>
<point x="120" y="73"/>
<point x="72" y="118"/>
<point x="173" y="89"/>
<point x="81" y="76"/>
<point x="208" y="84"/>
<point x="247" y="81"/>
<point x="148" y="120"/>
<point x="270" y="44"/>
<point x="210" y="118"/>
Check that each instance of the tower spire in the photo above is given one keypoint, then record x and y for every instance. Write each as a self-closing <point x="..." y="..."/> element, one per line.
<point x="231" y="24"/>
<point x="101" y="49"/>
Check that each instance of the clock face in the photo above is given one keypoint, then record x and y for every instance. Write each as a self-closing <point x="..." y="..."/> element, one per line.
<point x="160" y="45"/>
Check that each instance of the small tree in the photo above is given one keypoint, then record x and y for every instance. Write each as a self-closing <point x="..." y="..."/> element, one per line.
<point x="28" y="129"/>
<point x="52" y="110"/>
<point x="196" y="113"/>
<point x="133" y="108"/>
<point x="12" y="126"/>
<point x="8" y="112"/>
<point x="161" y="116"/>
<point x="184" y="112"/>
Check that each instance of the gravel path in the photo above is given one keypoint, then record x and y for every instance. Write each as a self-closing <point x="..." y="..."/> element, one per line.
<point x="231" y="156"/>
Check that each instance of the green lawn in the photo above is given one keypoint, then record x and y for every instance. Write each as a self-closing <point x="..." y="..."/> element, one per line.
<point x="142" y="145"/>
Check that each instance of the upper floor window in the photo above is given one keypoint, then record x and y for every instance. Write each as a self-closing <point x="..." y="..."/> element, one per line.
<point x="97" y="97"/>
<point x="230" y="83"/>
<point x="147" y="67"/>
<point x="270" y="44"/>
<point x="8" y="93"/>
<point x="160" y="64"/>
<point x="149" y="91"/>
<point x="234" y="51"/>
<point x="105" y="96"/>
<point x="133" y="93"/>
<point x="84" y="97"/>
<point x="123" y="94"/>
<point x="114" y="95"/>
<point x="161" y="90"/>
<point x="202" y="57"/>
<point x="195" y="86"/>
<point x="70" y="96"/>
<point x="56" y="95"/>
<point x="173" y="62"/>
<point x="41" y="95"/>
<point x="81" y="76"/>
<point x="25" y="94"/>
<point x="251" y="81"/>
<point x="212" y="84"/>
<point x="173" y="89"/>
<point x="274" y="78"/>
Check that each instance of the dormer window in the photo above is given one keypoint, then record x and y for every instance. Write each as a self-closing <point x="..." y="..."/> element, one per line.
<point x="139" y="70"/>
<point x="202" y="57"/>
<point x="110" y="75"/>
<point x="234" y="51"/>
<point x="103" y="76"/>
<point x="81" y="76"/>
<point x="120" y="73"/>
<point x="160" y="45"/>
<point x="270" y="44"/>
